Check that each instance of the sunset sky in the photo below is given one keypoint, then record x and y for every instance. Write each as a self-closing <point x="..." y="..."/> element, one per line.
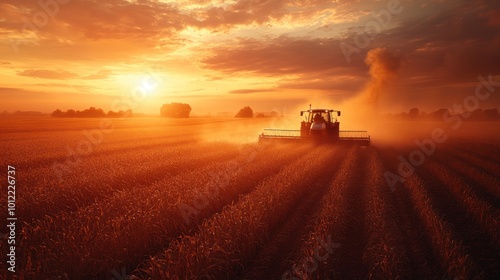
<point x="219" y="56"/>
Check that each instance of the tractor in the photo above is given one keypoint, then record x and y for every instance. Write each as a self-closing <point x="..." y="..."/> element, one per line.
<point x="319" y="126"/>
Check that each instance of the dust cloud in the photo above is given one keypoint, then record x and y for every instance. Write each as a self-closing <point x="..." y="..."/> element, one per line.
<point x="365" y="111"/>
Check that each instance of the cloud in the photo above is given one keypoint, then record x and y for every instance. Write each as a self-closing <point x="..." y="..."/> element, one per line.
<point x="247" y="91"/>
<point x="48" y="74"/>
<point x="81" y="88"/>
<point x="102" y="74"/>
<point x="64" y="75"/>
<point x="325" y="83"/>
<point x="452" y="44"/>
<point x="448" y="47"/>
<point x="300" y="63"/>
<point x="97" y="19"/>
<point x="247" y="12"/>
<point x="280" y="56"/>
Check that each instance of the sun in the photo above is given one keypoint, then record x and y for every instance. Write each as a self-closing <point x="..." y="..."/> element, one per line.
<point x="139" y="84"/>
<point x="149" y="84"/>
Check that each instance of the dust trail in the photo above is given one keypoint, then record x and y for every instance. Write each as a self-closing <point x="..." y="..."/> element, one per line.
<point x="384" y="66"/>
<point x="383" y="69"/>
<point x="366" y="111"/>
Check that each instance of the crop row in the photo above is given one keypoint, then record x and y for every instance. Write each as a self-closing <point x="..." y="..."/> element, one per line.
<point x="226" y="242"/>
<point x="317" y="256"/>
<point x="449" y="252"/>
<point x="132" y="224"/>
<point x="485" y="215"/>
<point x="99" y="177"/>
<point x="478" y="170"/>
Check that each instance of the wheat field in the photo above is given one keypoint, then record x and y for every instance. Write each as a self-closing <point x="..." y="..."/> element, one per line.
<point x="201" y="199"/>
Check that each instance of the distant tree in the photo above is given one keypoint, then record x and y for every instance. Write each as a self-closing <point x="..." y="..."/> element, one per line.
<point x="91" y="112"/>
<point x="491" y="114"/>
<point x="414" y="113"/>
<point x="260" y="115"/>
<point x="402" y="115"/>
<point x="245" y="112"/>
<point x="175" y="110"/>
<point x="58" y="114"/>
<point x="476" y="115"/>
<point x="438" y="115"/>
<point x="120" y="114"/>
<point x="275" y="114"/>
<point x="71" y="113"/>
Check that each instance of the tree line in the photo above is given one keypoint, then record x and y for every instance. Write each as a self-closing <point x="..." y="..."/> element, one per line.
<point x="438" y="115"/>
<point x="91" y="112"/>
<point x="170" y="110"/>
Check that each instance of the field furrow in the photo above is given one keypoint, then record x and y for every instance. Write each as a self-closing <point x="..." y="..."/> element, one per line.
<point x="482" y="174"/>
<point x="271" y="261"/>
<point x="226" y="242"/>
<point x="474" y="222"/>
<point x="450" y="252"/>
<point x="424" y="262"/>
<point x="199" y="198"/>
<point x="317" y="256"/>
<point x="385" y="254"/>
<point x="155" y="214"/>
<point x="465" y="200"/>
<point x="353" y="235"/>
<point x="489" y="151"/>
<point x="103" y="176"/>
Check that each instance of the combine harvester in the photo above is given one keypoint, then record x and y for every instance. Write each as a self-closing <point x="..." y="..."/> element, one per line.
<point x="319" y="126"/>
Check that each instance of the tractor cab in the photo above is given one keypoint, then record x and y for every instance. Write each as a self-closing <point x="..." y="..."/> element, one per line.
<point x="318" y="115"/>
<point x="320" y="123"/>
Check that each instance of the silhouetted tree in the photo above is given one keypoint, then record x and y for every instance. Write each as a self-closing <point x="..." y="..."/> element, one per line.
<point x="175" y="110"/>
<point x="92" y="112"/>
<point x="275" y="114"/>
<point x="491" y="114"/>
<point x="476" y="115"/>
<point x="245" y="112"/>
<point x="438" y="115"/>
<point x="120" y="114"/>
<point x="414" y="113"/>
<point x="58" y="114"/>
<point x="71" y="113"/>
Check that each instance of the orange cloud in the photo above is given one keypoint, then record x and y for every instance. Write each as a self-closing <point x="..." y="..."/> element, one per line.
<point x="48" y="74"/>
